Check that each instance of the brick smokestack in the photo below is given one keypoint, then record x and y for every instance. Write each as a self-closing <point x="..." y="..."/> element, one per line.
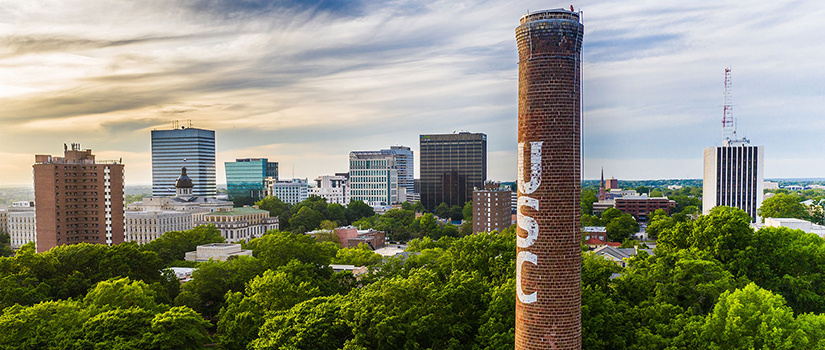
<point x="548" y="270"/>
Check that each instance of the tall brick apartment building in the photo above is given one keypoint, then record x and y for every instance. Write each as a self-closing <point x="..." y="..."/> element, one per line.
<point x="491" y="210"/>
<point x="78" y="199"/>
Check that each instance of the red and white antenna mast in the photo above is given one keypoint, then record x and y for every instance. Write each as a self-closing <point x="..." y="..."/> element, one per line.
<point x="728" y="124"/>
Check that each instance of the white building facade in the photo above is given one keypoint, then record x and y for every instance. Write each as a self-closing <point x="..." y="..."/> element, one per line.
<point x="239" y="224"/>
<point x="734" y="177"/>
<point x="22" y="224"/>
<point x="334" y="188"/>
<point x="288" y="191"/>
<point x="145" y="226"/>
<point x="373" y="177"/>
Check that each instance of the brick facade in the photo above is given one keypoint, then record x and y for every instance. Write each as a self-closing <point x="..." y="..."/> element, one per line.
<point x="548" y="270"/>
<point x="78" y="199"/>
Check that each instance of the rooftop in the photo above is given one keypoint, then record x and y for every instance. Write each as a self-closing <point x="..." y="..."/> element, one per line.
<point x="240" y="211"/>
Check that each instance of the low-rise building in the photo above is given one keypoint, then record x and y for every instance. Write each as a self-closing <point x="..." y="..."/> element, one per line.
<point x="619" y="255"/>
<point x="794" y="224"/>
<point x="216" y="251"/>
<point x="288" y="191"/>
<point x="641" y="206"/>
<point x="239" y="224"/>
<point x="351" y="236"/>
<point x="146" y="226"/>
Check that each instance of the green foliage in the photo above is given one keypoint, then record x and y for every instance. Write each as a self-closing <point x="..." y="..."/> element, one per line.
<point x="751" y="318"/>
<point x="467" y="211"/>
<point x="783" y="205"/>
<point x="278" y="248"/>
<point x="442" y="210"/>
<point x="359" y="256"/>
<point x="174" y="245"/>
<point x="396" y="223"/>
<point x="588" y="197"/>
<point x="456" y="213"/>
<point x="619" y="228"/>
<point x="306" y="219"/>
<point x="317" y="323"/>
<point x="213" y="279"/>
<point x="357" y="210"/>
<point x="121" y="293"/>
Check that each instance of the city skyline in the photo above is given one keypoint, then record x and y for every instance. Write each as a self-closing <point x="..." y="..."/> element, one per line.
<point x="304" y="85"/>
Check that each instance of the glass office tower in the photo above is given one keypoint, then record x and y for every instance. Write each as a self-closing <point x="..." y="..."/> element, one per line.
<point x="183" y="147"/>
<point x="246" y="178"/>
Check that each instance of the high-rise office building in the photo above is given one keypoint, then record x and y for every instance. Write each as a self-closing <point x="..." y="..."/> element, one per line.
<point x="405" y="163"/>
<point x="734" y="177"/>
<point x="373" y="177"/>
<point x="79" y="200"/>
<point x="183" y="147"/>
<point x="452" y="165"/>
<point x="246" y="178"/>
<point x="733" y="173"/>
<point x="548" y="245"/>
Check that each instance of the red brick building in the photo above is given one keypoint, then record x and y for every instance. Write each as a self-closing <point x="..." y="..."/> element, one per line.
<point x="642" y="206"/>
<point x="351" y="236"/>
<point x="491" y="210"/>
<point x="78" y="199"/>
<point x="548" y="246"/>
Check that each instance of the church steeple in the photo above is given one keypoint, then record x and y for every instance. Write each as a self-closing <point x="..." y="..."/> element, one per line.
<point x="602" y="195"/>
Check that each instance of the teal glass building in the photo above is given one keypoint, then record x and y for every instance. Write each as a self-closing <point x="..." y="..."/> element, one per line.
<point x="246" y="178"/>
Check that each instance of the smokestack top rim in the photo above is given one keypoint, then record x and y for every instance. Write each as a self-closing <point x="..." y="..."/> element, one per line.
<point x="542" y="14"/>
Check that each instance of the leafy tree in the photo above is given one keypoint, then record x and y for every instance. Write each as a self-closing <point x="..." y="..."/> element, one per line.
<point x="784" y="206"/>
<point x="442" y="211"/>
<point x="278" y="248"/>
<point x="179" y="328"/>
<point x="277" y="208"/>
<point x="466" y="229"/>
<point x="51" y="324"/>
<point x="317" y="323"/>
<point x="337" y="213"/>
<point x="419" y="208"/>
<point x="456" y="213"/>
<point x="751" y="318"/>
<point x="306" y="219"/>
<point x="121" y="293"/>
<point x="590" y="220"/>
<point x="467" y="211"/>
<point x="396" y="222"/>
<point x="174" y="245"/>
<point x="358" y="256"/>
<point x="588" y="197"/>
<point x="406" y="206"/>
<point x="426" y="226"/>
<point x="357" y="210"/>
<point x="609" y="214"/>
<point x="5" y="247"/>
<point x="621" y="228"/>
<point x="212" y="280"/>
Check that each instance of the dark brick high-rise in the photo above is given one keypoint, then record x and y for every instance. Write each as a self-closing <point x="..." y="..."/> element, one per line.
<point x="77" y="199"/>
<point x="548" y="270"/>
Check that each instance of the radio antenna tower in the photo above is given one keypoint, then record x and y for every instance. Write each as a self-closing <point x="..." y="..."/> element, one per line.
<point x="728" y="124"/>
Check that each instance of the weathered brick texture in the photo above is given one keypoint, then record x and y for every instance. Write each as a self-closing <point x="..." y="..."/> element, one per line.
<point x="549" y="45"/>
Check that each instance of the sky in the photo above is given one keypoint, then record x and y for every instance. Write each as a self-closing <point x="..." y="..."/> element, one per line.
<point x="304" y="83"/>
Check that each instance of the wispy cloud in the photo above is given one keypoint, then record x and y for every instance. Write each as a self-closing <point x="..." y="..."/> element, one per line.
<point x="305" y="82"/>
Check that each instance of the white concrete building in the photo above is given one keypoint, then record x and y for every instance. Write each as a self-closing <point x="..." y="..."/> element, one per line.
<point x="373" y="177"/>
<point x="334" y="188"/>
<point x="239" y="223"/>
<point x="794" y="224"/>
<point x="288" y="191"/>
<point x="145" y="226"/>
<point x="770" y="185"/>
<point x="733" y="176"/>
<point x="216" y="251"/>
<point x="22" y="224"/>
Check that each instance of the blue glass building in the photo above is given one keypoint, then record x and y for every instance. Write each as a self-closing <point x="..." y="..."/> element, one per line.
<point x="183" y="147"/>
<point x="246" y="178"/>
